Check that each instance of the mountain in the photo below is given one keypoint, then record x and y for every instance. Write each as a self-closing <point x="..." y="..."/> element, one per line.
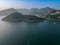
<point x="18" y="17"/>
<point x="46" y="10"/>
<point x="14" y="17"/>
<point x="24" y="11"/>
<point x="33" y="11"/>
<point x="42" y="11"/>
<point x="7" y="11"/>
<point x="36" y="11"/>
<point x="53" y="15"/>
<point x="11" y="10"/>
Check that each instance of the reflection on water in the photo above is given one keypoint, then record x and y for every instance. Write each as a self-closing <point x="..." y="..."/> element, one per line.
<point x="43" y="33"/>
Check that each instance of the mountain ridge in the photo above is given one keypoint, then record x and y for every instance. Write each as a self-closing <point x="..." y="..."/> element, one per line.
<point x="33" y="11"/>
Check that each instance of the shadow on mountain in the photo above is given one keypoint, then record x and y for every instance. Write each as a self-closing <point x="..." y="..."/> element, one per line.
<point x="33" y="19"/>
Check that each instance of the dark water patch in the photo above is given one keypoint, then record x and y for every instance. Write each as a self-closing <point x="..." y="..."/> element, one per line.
<point x="43" y="33"/>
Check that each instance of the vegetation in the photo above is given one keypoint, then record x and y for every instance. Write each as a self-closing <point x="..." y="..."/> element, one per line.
<point x="32" y="18"/>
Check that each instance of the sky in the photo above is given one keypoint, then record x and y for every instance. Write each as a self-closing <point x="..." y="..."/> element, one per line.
<point x="4" y="4"/>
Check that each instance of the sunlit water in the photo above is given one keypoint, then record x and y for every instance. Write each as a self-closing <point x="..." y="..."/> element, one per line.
<point x="22" y="33"/>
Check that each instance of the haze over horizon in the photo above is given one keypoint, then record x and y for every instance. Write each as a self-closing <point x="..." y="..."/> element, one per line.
<point x="4" y="4"/>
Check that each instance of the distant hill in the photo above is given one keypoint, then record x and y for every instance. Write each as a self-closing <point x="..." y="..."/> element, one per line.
<point x="42" y="11"/>
<point x="36" y="11"/>
<point x="33" y="11"/>
<point x="23" y="11"/>
<point x="7" y="11"/>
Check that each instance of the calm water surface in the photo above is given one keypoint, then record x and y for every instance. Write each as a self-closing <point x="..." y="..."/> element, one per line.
<point x="22" y="33"/>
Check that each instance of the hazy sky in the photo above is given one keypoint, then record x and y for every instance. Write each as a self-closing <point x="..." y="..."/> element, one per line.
<point x="29" y="4"/>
